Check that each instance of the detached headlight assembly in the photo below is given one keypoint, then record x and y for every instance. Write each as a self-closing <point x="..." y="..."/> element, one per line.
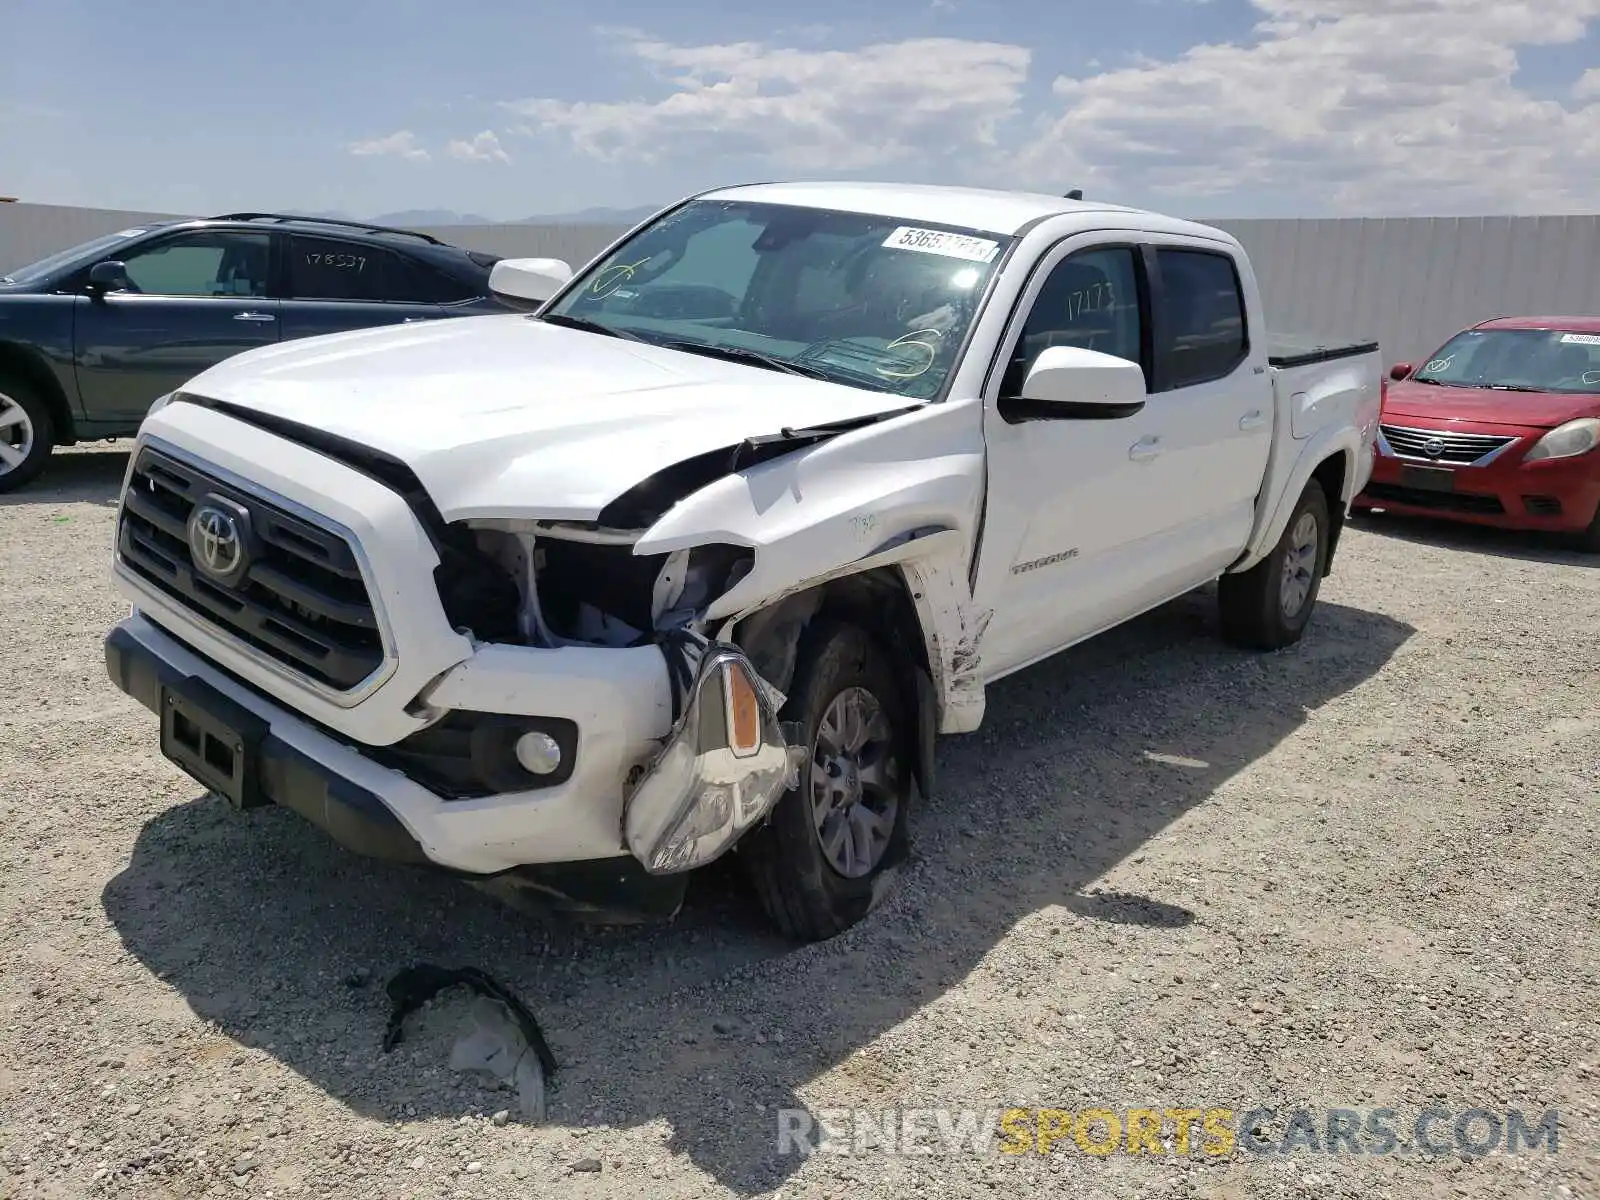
<point x="1567" y="441"/>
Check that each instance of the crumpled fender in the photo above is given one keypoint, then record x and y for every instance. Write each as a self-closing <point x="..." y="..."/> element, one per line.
<point x="904" y="492"/>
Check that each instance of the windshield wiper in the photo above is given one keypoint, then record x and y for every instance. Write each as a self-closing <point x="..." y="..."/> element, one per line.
<point x="752" y="358"/>
<point x="588" y="326"/>
<point x="1510" y="387"/>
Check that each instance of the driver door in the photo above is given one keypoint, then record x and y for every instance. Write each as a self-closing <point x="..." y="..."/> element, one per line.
<point x="1072" y="503"/>
<point x="197" y="297"/>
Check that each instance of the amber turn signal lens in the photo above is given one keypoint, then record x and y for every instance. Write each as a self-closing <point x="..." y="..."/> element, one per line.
<point x="744" y="712"/>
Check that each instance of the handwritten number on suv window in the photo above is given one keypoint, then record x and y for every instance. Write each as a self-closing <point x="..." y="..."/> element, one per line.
<point x="340" y="262"/>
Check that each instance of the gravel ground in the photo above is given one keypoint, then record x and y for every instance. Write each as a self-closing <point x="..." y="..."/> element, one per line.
<point x="1356" y="874"/>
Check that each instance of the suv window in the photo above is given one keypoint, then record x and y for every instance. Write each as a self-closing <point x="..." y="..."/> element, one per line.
<point x="331" y="269"/>
<point x="435" y="286"/>
<point x="1090" y="300"/>
<point x="1203" y="335"/>
<point x="214" y="262"/>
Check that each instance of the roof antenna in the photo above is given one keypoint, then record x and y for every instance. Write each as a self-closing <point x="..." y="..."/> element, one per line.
<point x="1075" y="194"/>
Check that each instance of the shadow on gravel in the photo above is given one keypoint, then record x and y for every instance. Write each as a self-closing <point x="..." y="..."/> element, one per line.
<point x="1082" y="760"/>
<point x="1528" y="546"/>
<point x="89" y="476"/>
<point x="1118" y="908"/>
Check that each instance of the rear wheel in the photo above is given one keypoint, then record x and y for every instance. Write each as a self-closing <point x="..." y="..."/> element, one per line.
<point x="27" y="435"/>
<point x="824" y="859"/>
<point x="1269" y="606"/>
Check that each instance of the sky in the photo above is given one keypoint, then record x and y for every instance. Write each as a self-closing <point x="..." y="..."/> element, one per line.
<point x="1206" y="108"/>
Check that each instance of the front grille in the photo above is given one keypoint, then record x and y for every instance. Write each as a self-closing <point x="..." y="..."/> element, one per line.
<point x="298" y="596"/>
<point x="1462" y="502"/>
<point x="1432" y="445"/>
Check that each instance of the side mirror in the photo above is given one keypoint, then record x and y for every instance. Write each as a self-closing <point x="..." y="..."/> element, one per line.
<point x="109" y="276"/>
<point x="1399" y="370"/>
<point x="1069" y="383"/>
<point x="528" y="282"/>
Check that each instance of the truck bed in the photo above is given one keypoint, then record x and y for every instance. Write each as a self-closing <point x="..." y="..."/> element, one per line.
<point x="1301" y="350"/>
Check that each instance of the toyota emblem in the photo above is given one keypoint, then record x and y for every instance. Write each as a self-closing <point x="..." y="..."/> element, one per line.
<point x="215" y="541"/>
<point x="1433" y="447"/>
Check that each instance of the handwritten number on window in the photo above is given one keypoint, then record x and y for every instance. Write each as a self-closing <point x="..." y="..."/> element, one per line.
<point x="1089" y="300"/>
<point x="339" y="262"/>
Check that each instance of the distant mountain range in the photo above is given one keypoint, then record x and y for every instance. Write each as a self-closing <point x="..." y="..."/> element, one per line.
<point x="443" y="216"/>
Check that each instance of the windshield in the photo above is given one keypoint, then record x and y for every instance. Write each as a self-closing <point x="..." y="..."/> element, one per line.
<point x="1532" y="360"/>
<point x="868" y="301"/>
<point x="34" y="272"/>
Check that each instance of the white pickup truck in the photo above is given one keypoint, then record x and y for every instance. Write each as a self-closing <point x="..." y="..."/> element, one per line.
<point x="700" y="554"/>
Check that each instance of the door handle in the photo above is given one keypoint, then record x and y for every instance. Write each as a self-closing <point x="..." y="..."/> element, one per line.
<point x="254" y="316"/>
<point x="1145" y="449"/>
<point x="1254" y="419"/>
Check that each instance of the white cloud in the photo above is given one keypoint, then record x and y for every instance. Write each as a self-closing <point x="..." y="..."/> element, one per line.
<point x="481" y="147"/>
<point x="402" y="145"/>
<point x="1367" y="105"/>
<point x="810" y="110"/>
<point x="1346" y="105"/>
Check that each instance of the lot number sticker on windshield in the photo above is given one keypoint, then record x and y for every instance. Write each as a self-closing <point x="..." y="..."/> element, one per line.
<point x="1582" y="339"/>
<point x="936" y="241"/>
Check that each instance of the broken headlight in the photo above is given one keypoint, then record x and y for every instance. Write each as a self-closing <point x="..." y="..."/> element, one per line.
<point x="722" y="769"/>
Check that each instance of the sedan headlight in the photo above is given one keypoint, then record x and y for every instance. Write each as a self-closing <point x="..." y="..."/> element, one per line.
<point x="1567" y="441"/>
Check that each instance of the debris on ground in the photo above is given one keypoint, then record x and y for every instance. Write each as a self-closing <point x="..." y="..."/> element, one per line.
<point x="499" y="1038"/>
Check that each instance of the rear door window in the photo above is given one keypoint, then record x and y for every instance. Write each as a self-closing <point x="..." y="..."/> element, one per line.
<point x="1200" y="327"/>
<point x="331" y="269"/>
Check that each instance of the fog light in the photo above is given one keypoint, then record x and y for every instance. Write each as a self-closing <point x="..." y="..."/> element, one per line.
<point x="539" y="753"/>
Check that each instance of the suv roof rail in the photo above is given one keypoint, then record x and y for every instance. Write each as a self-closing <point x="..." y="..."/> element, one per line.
<point x="364" y="226"/>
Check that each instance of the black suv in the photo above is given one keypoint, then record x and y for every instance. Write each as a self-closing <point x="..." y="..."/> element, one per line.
<point x="92" y="336"/>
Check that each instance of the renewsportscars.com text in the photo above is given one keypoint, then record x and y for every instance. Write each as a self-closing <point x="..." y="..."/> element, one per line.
<point x="1213" y="1132"/>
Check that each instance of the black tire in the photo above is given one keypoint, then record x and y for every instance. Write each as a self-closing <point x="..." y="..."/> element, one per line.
<point x="806" y="896"/>
<point x="1252" y="604"/>
<point x="39" y="435"/>
<point x="1588" y="542"/>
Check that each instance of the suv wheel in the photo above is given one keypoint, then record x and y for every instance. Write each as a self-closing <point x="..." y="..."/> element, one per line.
<point x="27" y="434"/>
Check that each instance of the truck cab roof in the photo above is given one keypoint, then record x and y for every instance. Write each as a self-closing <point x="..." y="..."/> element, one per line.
<point x="990" y="210"/>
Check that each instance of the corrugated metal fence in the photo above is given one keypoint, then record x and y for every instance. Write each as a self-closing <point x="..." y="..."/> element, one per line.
<point x="1413" y="281"/>
<point x="1408" y="281"/>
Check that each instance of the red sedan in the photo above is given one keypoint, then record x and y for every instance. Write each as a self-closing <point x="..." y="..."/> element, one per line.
<point x="1499" y="427"/>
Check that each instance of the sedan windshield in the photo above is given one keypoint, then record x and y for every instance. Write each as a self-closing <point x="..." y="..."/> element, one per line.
<point x="862" y="300"/>
<point x="34" y="272"/>
<point x="1525" y="360"/>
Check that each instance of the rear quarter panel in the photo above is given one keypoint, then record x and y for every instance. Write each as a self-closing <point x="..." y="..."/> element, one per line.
<point x="1321" y="410"/>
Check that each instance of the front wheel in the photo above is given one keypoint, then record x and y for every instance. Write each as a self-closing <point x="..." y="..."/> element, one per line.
<point x="1269" y="606"/>
<point x="26" y="435"/>
<point x="826" y="855"/>
<point x="1588" y="542"/>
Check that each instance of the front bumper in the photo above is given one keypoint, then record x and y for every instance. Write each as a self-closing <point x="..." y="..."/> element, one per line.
<point x="691" y="797"/>
<point x="1556" y="495"/>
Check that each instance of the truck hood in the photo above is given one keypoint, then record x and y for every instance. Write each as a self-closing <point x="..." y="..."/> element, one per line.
<point x="1431" y="402"/>
<point x="506" y="416"/>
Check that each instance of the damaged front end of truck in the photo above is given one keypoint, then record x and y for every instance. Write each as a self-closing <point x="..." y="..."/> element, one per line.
<point x="714" y="565"/>
<point x="720" y="562"/>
